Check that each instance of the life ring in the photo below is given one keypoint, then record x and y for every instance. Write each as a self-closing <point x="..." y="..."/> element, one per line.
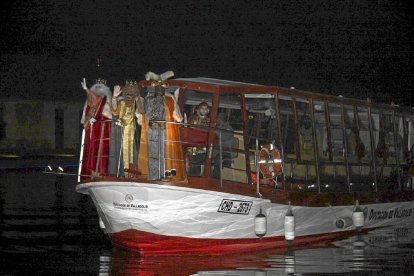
<point x="270" y="163"/>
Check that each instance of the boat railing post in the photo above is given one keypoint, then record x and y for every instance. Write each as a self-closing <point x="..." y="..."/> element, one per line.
<point x="257" y="169"/>
<point x="315" y="145"/>
<point x="397" y="150"/>
<point x="371" y="138"/>
<point x="345" y="146"/>
<point x="100" y="148"/>
<point x="221" y="161"/>
<point x="120" y="152"/>
<point x="81" y="154"/>
<point x="159" y="152"/>
<point x="162" y="146"/>
<point x="281" y="144"/>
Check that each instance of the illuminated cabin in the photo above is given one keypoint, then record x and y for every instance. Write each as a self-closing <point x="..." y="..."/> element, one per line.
<point x="325" y="143"/>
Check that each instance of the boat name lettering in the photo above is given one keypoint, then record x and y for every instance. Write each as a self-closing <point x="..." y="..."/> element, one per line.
<point x="389" y="214"/>
<point x="130" y="206"/>
<point x="235" y="206"/>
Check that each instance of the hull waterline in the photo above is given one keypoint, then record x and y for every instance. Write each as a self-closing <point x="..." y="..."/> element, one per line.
<point x="160" y="219"/>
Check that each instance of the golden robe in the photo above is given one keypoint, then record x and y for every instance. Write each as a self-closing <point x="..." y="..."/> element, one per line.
<point x="126" y="113"/>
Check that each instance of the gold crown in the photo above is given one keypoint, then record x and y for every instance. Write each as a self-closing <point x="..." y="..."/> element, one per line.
<point x="131" y="83"/>
<point x="102" y="81"/>
<point x="161" y="83"/>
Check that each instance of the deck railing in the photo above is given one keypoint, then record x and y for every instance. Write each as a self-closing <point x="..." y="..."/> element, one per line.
<point x="316" y="173"/>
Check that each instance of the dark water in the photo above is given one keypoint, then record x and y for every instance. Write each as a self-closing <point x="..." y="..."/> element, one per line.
<point x="47" y="228"/>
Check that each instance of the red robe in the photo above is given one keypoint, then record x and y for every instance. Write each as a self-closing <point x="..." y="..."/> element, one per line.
<point x="96" y="135"/>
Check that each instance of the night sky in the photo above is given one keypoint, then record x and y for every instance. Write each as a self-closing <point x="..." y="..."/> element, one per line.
<point x="342" y="47"/>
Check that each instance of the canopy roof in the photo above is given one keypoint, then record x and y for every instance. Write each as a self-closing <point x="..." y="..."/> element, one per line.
<point x="217" y="82"/>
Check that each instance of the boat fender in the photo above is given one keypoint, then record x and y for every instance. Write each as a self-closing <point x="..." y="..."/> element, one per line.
<point x="358" y="216"/>
<point x="343" y="222"/>
<point x="289" y="225"/>
<point x="260" y="224"/>
<point x="359" y="242"/>
<point x="101" y="224"/>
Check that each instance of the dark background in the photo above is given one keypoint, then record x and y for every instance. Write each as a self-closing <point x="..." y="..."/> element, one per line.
<point x="343" y="47"/>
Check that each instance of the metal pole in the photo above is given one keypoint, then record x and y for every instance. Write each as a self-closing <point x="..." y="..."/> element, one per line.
<point x="345" y="146"/>
<point x="371" y="136"/>
<point x="120" y="151"/>
<point x="159" y="152"/>
<point x="100" y="148"/>
<point x="81" y="154"/>
<point x="315" y="145"/>
<point x="281" y="144"/>
<point x="397" y="149"/>
<point x="257" y="169"/>
<point x="221" y="161"/>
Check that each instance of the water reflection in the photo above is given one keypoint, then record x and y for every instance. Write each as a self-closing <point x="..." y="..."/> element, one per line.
<point x="46" y="227"/>
<point x="382" y="250"/>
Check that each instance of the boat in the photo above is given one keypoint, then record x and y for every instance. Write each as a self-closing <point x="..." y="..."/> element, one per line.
<point x="261" y="167"/>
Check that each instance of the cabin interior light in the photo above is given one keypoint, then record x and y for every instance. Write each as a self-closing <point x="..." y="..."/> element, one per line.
<point x="60" y="169"/>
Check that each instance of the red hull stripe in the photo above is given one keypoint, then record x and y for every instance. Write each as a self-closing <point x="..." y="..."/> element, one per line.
<point x="152" y="244"/>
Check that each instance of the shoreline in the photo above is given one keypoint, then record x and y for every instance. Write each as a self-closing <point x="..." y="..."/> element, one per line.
<point x="37" y="162"/>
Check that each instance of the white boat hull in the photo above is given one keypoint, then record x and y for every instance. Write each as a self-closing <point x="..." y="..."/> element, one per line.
<point x="170" y="211"/>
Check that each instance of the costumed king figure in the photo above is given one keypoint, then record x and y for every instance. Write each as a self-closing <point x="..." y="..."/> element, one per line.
<point x="124" y="110"/>
<point x="96" y="120"/>
<point x="160" y="148"/>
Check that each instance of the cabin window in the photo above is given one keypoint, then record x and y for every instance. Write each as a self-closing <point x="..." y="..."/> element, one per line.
<point x="321" y="133"/>
<point x="305" y="130"/>
<point x="337" y="135"/>
<point x="359" y="133"/>
<point x="288" y="126"/>
<point x="263" y="128"/>
<point x="329" y="178"/>
<point x="334" y="174"/>
<point x="408" y="148"/>
<point x="385" y="150"/>
<point x="402" y="139"/>
<point x="357" y="147"/>
<point x="400" y="131"/>
<point x="229" y="142"/>
<point x="354" y="147"/>
<point x="304" y="170"/>
<point x="363" y="124"/>
<point x="197" y="107"/>
<point x="411" y="135"/>
<point x="2" y="123"/>
<point x="298" y="139"/>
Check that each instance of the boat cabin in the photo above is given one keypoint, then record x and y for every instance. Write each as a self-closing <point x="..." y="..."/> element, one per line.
<point x="226" y="135"/>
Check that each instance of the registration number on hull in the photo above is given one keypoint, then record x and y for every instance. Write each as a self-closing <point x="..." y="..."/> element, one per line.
<point x="235" y="206"/>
